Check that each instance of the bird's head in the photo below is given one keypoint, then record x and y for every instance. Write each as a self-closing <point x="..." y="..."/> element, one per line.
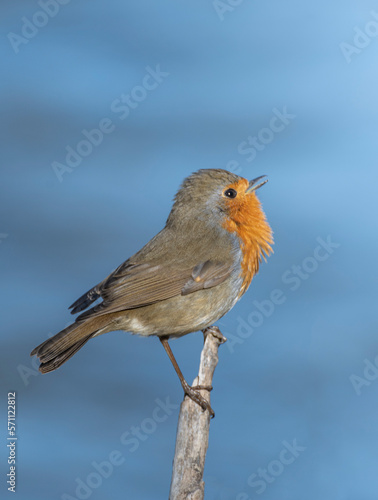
<point x="216" y="198"/>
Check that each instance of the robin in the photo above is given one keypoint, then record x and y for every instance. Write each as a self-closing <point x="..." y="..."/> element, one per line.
<point x="186" y="278"/>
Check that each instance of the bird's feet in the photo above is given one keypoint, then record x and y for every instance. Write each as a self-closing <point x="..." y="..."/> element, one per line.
<point x="202" y="387"/>
<point x="214" y="330"/>
<point x="193" y="393"/>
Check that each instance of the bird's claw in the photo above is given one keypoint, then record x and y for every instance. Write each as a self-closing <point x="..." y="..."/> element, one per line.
<point x="202" y="387"/>
<point x="214" y="330"/>
<point x="194" y="395"/>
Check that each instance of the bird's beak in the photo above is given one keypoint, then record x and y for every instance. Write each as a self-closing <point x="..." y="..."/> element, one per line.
<point x="255" y="184"/>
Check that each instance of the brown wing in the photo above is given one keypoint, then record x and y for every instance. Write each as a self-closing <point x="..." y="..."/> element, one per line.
<point x="137" y="285"/>
<point x="206" y="275"/>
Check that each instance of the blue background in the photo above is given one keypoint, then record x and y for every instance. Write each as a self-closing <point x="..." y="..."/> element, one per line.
<point x="289" y="379"/>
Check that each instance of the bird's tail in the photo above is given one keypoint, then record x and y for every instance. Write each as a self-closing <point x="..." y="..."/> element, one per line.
<point x="58" y="349"/>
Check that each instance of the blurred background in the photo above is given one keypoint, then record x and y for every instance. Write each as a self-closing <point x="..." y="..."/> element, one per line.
<point x="106" y="108"/>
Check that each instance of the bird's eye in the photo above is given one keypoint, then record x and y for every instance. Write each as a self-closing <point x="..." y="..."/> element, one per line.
<point x="230" y="193"/>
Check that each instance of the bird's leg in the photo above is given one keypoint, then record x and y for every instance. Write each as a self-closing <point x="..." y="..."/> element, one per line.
<point x="189" y="391"/>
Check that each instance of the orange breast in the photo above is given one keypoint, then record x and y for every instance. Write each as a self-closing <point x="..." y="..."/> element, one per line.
<point x="246" y="218"/>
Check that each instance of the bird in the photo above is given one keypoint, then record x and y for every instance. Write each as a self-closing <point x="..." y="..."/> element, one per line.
<point x="184" y="279"/>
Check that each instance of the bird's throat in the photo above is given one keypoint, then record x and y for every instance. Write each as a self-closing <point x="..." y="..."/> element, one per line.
<point x="248" y="221"/>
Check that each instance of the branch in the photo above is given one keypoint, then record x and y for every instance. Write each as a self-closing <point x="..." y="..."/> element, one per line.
<point x="193" y="428"/>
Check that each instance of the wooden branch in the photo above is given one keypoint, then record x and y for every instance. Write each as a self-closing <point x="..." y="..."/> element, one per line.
<point x="193" y="428"/>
